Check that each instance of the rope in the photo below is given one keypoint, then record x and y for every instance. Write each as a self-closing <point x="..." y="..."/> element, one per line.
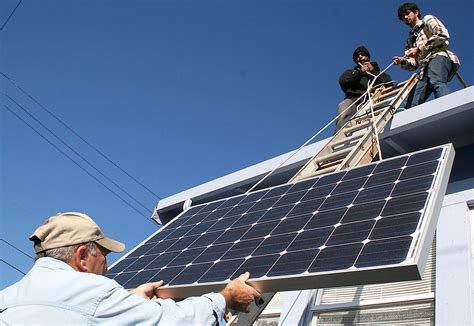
<point x="305" y="143"/>
<point x="371" y="105"/>
<point x="321" y="130"/>
<point x="374" y="127"/>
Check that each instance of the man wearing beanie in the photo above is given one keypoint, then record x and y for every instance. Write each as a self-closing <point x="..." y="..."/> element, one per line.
<point x="66" y="285"/>
<point x="354" y="83"/>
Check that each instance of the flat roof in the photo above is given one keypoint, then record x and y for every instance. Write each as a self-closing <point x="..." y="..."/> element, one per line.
<point x="449" y="119"/>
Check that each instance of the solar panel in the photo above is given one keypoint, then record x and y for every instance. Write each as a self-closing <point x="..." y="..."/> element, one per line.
<point x="370" y="224"/>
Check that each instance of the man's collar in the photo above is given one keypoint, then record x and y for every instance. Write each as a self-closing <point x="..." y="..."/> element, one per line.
<point x="49" y="262"/>
<point x="418" y="25"/>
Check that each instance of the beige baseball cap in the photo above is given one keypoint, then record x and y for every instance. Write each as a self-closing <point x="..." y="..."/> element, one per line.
<point x="66" y="229"/>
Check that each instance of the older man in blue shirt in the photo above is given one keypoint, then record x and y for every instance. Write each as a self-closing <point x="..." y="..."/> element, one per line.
<point x="66" y="285"/>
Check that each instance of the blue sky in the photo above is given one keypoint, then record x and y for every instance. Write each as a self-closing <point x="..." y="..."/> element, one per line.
<point x="175" y="92"/>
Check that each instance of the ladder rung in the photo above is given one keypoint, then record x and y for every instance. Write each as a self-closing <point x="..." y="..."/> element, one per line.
<point x="401" y="83"/>
<point x="338" y="154"/>
<point x="363" y="113"/>
<point x="346" y="140"/>
<point x="384" y="95"/>
<point x="349" y="130"/>
<point x="323" y="171"/>
<point x="367" y="115"/>
<point x="382" y="103"/>
<point x="329" y="164"/>
<point x="396" y="86"/>
<point x="379" y="109"/>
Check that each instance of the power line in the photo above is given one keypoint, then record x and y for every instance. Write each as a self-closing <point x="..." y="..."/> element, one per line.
<point x="82" y="168"/>
<point x="11" y="14"/>
<point x="15" y="247"/>
<point x="15" y="268"/>
<point x="78" y="154"/>
<point x="77" y="135"/>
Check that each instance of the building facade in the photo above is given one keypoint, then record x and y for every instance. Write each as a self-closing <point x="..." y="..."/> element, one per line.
<point x="445" y="295"/>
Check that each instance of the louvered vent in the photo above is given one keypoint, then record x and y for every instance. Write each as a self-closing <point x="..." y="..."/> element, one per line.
<point x="410" y="314"/>
<point x="387" y="290"/>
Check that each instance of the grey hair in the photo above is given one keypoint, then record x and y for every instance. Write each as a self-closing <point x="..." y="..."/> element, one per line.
<point x="65" y="253"/>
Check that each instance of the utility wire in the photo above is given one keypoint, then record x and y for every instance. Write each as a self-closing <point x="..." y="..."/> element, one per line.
<point x="82" y="168"/>
<point x="11" y="14"/>
<point x="15" y="268"/>
<point x="77" y="135"/>
<point x="15" y="247"/>
<point x="78" y="154"/>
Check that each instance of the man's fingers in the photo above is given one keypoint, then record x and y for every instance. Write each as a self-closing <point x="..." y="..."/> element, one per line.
<point x="397" y="60"/>
<point x="256" y="294"/>
<point x="147" y="290"/>
<point x="253" y="292"/>
<point x="157" y="284"/>
<point x="239" y="295"/>
<point x="244" y="277"/>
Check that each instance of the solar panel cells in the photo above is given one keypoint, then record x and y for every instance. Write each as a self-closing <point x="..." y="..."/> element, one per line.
<point x="364" y="217"/>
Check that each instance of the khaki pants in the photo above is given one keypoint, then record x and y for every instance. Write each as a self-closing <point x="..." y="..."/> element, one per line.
<point x="346" y="116"/>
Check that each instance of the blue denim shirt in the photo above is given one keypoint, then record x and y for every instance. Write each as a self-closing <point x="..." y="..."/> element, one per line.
<point x="53" y="293"/>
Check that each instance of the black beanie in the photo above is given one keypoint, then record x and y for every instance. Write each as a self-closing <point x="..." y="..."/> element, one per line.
<point x="362" y="49"/>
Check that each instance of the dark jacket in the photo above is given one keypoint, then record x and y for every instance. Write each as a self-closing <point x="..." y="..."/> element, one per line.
<point x="354" y="82"/>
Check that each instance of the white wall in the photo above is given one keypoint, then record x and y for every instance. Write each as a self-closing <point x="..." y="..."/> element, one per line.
<point x="454" y="283"/>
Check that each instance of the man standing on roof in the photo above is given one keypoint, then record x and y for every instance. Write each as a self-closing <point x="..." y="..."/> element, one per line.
<point x="427" y="48"/>
<point x="66" y="285"/>
<point x="354" y="83"/>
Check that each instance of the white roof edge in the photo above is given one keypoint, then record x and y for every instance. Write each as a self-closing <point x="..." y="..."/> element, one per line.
<point x="430" y="109"/>
<point x="399" y="123"/>
<point x="233" y="179"/>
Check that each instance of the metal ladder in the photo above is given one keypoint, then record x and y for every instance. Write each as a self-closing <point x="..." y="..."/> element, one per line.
<point x="352" y="145"/>
<point x="355" y="144"/>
